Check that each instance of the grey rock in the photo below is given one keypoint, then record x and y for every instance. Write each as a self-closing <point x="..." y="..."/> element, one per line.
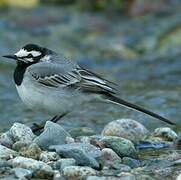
<point x="21" y="132"/>
<point x="126" y="128"/>
<point x="88" y="139"/>
<point x="77" y="172"/>
<point x="6" y="172"/>
<point x="113" y="168"/>
<point x="109" y="154"/>
<point x="84" y="139"/>
<point x="46" y="156"/>
<point x="17" y="146"/>
<point x="57" y="175"/>
<point x="62" y="163"/>
<point x="4" y="163"/>
<point x="163" y="172"/>
<point x="126" y="176"/>
<point x="153" y="164"/>
<point x="123" y="147"/>
<point x="121" y="167"/>
<point x="38" y="168"/>
<point x="118" y="166"/>
<point x="84" y="154"/>
<point x="6" y="153"/>
<point x="177" y="162"/>
<point x="95" y="178"/>
<point x="10" y="177"/>
<point x="53" y="134"/>
<point x="165" y="133"/>
<point x="133" y="163"/>
<point x="6" y="139"/>
<point x="21" y="173"/>
<point x="69" y="140"/>
<point x="144" y="177"/>
<point x="33" y="151"/>
<point x="102" y="178"/>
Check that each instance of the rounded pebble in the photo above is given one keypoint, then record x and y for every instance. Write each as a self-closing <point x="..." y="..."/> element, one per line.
<point x="165" y="133"/>
<point x="21" y="132"/>
<point x="126" y="128"/>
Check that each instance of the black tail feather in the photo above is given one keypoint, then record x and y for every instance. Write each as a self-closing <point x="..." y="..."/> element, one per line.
<point x="119" y="101"/>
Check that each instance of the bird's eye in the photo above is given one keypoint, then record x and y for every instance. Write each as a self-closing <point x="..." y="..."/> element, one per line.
<point x="29" y="56"/>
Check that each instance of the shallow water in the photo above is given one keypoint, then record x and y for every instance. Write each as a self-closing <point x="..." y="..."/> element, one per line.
<point x="135" y="53"/>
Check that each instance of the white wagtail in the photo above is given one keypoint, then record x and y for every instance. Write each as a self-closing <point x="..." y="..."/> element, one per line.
<point x="47" y="81"/>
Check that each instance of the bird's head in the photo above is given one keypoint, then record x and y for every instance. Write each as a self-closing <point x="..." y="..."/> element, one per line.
<point x="31" y="54"/>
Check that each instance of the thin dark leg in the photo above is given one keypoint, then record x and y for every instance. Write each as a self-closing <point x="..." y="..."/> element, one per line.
<point x="37" y="128"/>
<point x="57" y="118"/>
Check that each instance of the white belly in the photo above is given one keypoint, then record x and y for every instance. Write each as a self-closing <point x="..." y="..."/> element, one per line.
<point x="28" y="96"/>
<point x="50" y="100"/>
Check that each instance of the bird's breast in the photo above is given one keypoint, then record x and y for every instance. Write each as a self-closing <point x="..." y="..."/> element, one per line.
<point x="50" y="100"/>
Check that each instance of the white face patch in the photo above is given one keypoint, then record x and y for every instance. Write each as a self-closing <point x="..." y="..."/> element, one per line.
<point x="25" y="53"/>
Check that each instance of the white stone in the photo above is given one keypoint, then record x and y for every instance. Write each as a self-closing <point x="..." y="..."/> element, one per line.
<point x="178" y="177"/>
<point x="109" y="154"/>
<point x="22" y="173"/>
<point x="6" y="153"/>
<point x="39" y="168"/>
<point x="46" y="156"/>
<point x="6" y="139"/>
<point x="21" y="132"/>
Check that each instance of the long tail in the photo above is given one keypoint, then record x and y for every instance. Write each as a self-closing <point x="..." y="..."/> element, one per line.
<point x="119" y="101"/>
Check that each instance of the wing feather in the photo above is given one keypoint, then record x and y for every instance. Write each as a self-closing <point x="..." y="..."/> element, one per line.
<point x="54" y="75"/>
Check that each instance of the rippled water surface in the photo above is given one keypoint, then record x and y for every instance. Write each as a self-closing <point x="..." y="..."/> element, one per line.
<point x="141" y="54"/>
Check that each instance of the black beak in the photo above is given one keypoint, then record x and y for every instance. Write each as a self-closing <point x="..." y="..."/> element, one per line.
<point x="11" y="57"/>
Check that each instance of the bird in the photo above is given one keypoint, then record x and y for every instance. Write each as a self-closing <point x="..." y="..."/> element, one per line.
<point x="48" y="81"/>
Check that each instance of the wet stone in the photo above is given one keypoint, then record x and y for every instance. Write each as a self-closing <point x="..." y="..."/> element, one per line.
<point x="114" y="168"/>
<point x="133" y="163"/>
<point x="84" y="154"/>
<point x="121" y="167"/>
<point x="62" y="163"/>
<point x="22" y="173"/>
<point x="102" y="178"/>
<point x="123" y="147"/>
<point x="152" y="164"/>
<point x="38" y="168"/>
<point x="163" y="172"/>
<point x="77" y="172"/>
<point x="49" y="136"/>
